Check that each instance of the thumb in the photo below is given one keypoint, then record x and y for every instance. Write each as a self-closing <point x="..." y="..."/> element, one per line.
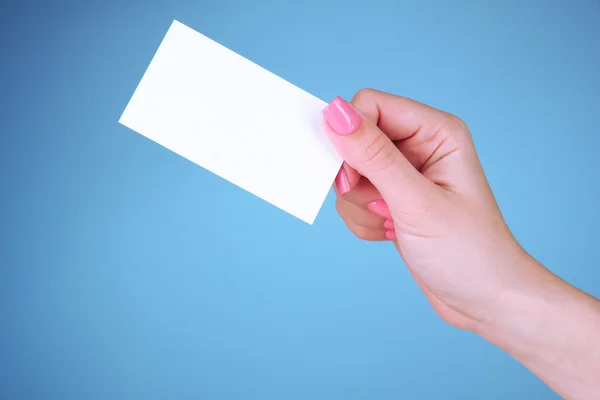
<point x="369" y="151"/>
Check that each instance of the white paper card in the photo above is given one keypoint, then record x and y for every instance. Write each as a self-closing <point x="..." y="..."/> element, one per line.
<point x="237" y="120"/>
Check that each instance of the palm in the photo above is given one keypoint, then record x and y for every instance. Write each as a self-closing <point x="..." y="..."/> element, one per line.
<point x="447" y="313"/>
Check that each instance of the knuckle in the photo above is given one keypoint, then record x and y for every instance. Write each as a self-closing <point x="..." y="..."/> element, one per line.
<point x="362" y="233"/>
<point x="358" y="230"/>
<point x="457" y="123"/>
<point x="363" y="94"/>
<point x="339" y="206"/>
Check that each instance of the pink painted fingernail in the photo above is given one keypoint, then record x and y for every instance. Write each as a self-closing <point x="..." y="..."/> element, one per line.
<point x="341" y="117"/>
<point x="380" y="208"/>
<point x="388" y="224"/>
<point x="390" y="235"/>
<point x="342" y="183"/>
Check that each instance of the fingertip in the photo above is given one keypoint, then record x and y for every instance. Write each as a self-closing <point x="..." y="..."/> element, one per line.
<point x="353" y="175"/>
<point x="390" y="234"/>
<point x="341" y="117"/>
<point x="388" y="224"/>
<point x="342" y="182"/>
<point x="346" y="179"/>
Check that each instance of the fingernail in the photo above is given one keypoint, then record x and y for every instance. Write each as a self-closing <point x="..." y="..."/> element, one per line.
<point x="341" y="117"/>
<point x="342" y="182"/>
<point x="388" y="224"/>
<point x="380" y="208"/>
<point x="390" y="235"/>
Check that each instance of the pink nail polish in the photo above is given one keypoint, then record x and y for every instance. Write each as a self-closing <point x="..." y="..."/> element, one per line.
<point x="342" y="182"/>
<point x="341" y="117"/>
<point x="388" y="224"/>
<point x="379" y="207"/>
<point x="390" y="235"/>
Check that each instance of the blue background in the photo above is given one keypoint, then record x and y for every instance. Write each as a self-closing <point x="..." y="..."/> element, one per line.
<point x="127" y="272"/>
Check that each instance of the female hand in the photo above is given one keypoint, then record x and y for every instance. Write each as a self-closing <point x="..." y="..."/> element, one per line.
<point x="412" y="176"/>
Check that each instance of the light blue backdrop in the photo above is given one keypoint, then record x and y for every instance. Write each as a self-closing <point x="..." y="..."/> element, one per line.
<point x="127" y="272"/>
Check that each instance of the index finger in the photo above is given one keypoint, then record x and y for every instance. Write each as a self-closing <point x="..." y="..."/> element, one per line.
<point x="399" y="117"/>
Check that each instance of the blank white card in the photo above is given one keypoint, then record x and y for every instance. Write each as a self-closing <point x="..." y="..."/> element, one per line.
<point x="237" y="120"/>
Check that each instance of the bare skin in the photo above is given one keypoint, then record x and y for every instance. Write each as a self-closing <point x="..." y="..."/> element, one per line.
<point x="432" y="199"/>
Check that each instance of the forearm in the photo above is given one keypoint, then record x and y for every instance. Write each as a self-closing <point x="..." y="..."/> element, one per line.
<point x="553" y="329"/>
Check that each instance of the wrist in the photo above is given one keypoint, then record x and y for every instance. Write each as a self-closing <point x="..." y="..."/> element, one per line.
<point x="531" y="300"/>
<point x="527" y="297"/>
<point x="536" y="294"/>
<point x="551" y="327"/>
